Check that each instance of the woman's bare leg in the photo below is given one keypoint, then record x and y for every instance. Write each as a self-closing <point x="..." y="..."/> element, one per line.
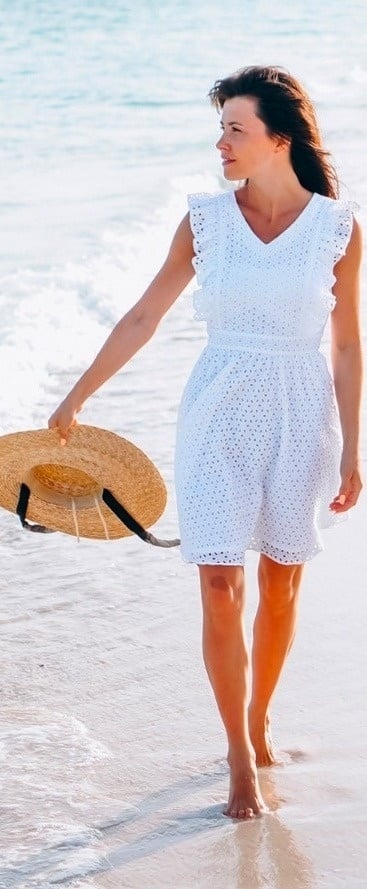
<point x="273" y="635"/>
<point x="226" y="661"/>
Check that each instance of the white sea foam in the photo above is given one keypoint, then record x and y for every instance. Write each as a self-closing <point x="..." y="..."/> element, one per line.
<point x="57" y="318"/>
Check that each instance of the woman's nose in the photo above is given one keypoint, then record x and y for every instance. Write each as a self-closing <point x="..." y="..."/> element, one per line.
<point x="221" y="141"/>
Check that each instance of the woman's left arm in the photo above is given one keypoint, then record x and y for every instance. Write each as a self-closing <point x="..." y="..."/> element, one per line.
<point x="347" y="365"/>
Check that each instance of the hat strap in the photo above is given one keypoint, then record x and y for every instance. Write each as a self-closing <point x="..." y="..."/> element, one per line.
<point x="127" y="519"/>
<point x="21" y="511"/>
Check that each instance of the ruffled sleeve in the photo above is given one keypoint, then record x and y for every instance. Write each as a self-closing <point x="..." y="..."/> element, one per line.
<point x="341" y="228"/>
<point x="335" y="232"/>
<point x="204" y="222"/>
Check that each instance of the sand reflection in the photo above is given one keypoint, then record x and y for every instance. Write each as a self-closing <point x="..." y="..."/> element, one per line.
<point x="268" y="855"/>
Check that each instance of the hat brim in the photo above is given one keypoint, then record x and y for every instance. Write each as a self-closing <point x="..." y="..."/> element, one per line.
<point x="66" y="481"/>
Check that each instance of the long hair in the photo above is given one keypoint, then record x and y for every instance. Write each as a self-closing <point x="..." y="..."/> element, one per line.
<point x="287" y="111"/>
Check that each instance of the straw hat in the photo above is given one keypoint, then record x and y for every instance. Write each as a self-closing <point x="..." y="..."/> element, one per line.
<point x="67" y="488"/>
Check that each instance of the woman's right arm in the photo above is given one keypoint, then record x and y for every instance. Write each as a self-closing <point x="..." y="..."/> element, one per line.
<point x="134" y="329"/>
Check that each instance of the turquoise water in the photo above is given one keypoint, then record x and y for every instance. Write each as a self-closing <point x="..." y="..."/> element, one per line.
<point x="105" y="104"/>
<point x="106" y="126"/>
<point x="112" y="769"/>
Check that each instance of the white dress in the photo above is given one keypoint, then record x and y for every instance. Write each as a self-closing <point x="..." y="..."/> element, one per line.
<point x="258" y="434"/>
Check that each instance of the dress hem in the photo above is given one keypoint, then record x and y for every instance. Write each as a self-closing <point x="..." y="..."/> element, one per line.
<point x="233" y="560"/>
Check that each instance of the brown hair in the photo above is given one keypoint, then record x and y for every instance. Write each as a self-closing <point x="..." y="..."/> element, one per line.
<point x="287" y="111"/>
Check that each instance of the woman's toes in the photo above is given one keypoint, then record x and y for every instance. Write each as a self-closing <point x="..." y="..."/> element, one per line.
<point x="246" y="813"/>
<point x="243" y="814"/>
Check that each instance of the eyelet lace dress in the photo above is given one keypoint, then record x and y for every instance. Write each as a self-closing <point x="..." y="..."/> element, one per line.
<point x="258" y="434"/>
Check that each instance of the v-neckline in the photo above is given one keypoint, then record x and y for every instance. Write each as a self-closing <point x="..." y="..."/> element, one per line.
<point x="285" y="231"/>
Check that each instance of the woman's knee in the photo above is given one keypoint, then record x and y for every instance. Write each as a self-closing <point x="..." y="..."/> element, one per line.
<point x="279" y="584"/>
<point x="222" y="591"/>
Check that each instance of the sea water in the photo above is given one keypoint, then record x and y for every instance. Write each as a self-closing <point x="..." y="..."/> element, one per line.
<point x="113" y="768"/>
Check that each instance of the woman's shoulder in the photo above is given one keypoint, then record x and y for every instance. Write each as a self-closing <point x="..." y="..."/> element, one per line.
<point x="337" y="220"/>
<point x="205" y="198"/>
<point x="206" y="211"/>
<point x="336" y="206"/>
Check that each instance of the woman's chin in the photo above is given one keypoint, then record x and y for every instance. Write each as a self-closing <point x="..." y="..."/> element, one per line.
<point x="230" y="173"/>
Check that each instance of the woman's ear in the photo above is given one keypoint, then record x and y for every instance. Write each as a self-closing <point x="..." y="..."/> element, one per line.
<point x="281" y="143"/>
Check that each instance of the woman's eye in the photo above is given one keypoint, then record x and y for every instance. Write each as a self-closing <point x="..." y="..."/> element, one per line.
<point x="232" y="130"/>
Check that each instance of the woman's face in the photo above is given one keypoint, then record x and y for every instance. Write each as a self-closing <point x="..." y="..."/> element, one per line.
<point x="245" y="145"/>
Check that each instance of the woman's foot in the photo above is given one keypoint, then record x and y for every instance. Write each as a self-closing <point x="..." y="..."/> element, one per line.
<point x="262" y="741"/>
<point x="245" y="800"/>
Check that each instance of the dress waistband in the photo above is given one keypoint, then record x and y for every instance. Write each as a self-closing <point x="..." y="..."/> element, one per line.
<point x="280" y="345"/>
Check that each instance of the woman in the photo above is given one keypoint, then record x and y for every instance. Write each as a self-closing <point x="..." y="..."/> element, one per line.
<point x="260" y="462"/>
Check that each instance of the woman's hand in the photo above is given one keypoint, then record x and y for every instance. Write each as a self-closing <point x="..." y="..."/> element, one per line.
<point x="64" y="418"/>
<point x="350" y="486"/>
